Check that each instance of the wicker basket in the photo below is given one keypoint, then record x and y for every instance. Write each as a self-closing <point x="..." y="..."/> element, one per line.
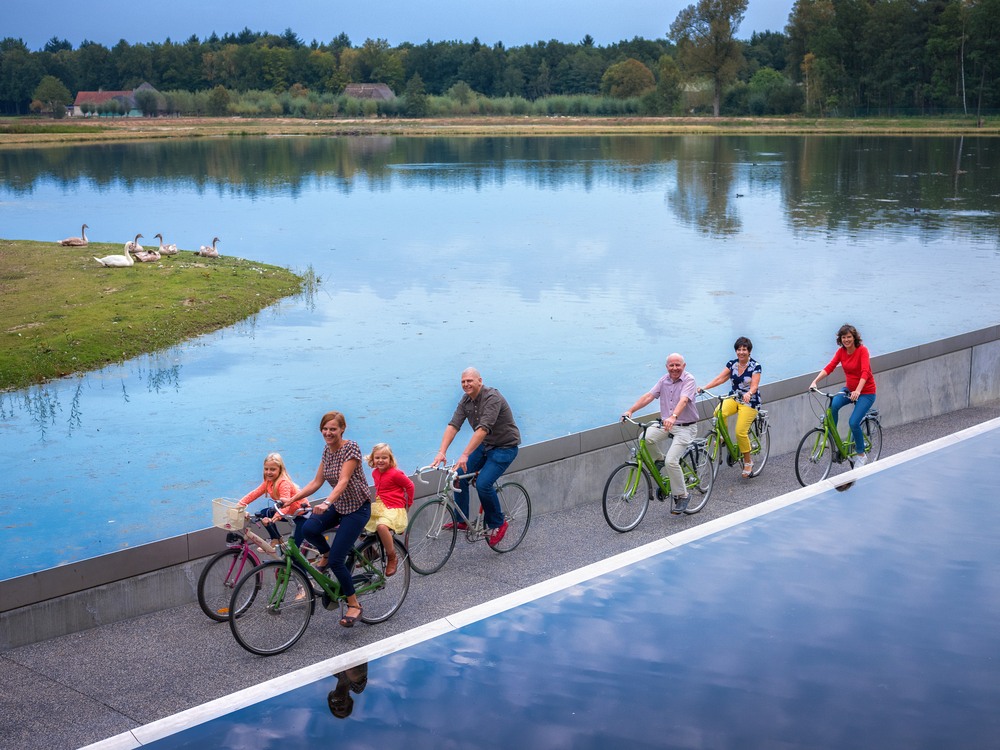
<point x="228" y="514"/>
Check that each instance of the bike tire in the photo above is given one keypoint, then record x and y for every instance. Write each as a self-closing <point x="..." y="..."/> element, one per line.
<point x="279" y="614"/>
<point x="218" y="579"/>
<point x="516" y="508"/>
<point x="626" y="497"/>
<point x="699" y="476"/>
<point x="368" y="563"/>
<point x="760" y="446"/>
<point x="814" y="457"/>
<point x="713" y="447"/>
<point x="872" y="430"/>
<point x="428" y="543"/>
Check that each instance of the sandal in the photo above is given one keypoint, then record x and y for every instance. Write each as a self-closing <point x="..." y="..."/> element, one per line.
<point x="348" y="621"/>
<point x="322" y="562"/>
<point x="747" y="469"/>
<point x="390" y="566"/>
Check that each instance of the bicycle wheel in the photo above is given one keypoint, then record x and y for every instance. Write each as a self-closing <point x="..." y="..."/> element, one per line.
<point x="872" y="430"/>
<point x="516" y="508"/>
<point x="219" y="578"/>
<point x="712" y="448"/>
<point x="699" y="477"/>
<point x="626" y="497"/>
<point x="279" y="615"/>
<point x="760" y="445"/>
<point x="386" y="593"/>
<point x="814" y="457"/>
<point x="428" y="543"/>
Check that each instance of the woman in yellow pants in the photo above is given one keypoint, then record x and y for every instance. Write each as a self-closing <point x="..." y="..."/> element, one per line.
<point x="744" y="375"/>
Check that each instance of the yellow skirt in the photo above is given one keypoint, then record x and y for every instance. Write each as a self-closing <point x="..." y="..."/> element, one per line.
<point x="394" y="518"/>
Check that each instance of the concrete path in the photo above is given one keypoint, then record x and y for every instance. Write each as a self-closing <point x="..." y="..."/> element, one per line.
<point x="78" y="689"/>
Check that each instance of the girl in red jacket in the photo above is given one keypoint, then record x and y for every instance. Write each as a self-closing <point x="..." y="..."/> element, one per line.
<point x="393" y="495"/>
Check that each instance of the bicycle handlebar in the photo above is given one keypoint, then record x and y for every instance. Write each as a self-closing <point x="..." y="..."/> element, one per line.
<point x="451" y="470"/>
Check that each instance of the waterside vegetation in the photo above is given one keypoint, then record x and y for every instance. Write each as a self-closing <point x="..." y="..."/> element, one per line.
<point x="63" y="313"/>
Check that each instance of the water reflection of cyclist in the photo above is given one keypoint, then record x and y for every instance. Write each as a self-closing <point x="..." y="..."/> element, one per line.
<point x="351" y="680"/>
<point x="676" y="391"/>
<point x="744" y="375"/>
<point x="492" y="448"/>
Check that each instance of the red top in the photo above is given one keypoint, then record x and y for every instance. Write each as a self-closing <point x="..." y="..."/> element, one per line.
<point x="393" y="488"/>
<point x="856" y="366"/>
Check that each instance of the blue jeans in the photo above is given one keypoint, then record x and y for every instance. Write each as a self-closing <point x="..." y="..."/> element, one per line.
<point x="273" y="532"/>
<point x="350" y="529"/>
<point x="861" y="407"/>
<point x="491" y="463"/>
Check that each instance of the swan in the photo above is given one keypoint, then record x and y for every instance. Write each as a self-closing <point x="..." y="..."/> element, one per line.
<point x="76" y="241"/>
<point x="209" y="252"/>
<point x="133" y="246"/>
<point x="147" y="256"/>
<point x="166" y="249"/>
<point x="116" y="261"/>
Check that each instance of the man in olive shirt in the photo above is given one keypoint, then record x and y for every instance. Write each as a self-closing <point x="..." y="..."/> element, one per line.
<point x="491" y="449"/>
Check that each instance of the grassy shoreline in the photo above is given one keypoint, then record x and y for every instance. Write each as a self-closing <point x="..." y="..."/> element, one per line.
<point x="22" y="132"/>
<point x="63" y="313"/>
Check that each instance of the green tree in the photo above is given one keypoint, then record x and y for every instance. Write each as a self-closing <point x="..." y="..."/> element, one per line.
<point x="148" y="102"/>
<point x="627" y="79"/>
<point x="54" y="96"/>
<point x="705" y="35"/>
<point x="416" y="97"/>
<point x="218" y="101"/>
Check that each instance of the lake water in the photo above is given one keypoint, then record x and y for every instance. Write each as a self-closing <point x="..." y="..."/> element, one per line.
<point x="566" y="269"/>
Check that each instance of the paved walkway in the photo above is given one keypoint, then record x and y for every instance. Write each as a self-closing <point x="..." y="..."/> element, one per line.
<point x="78" y="689"/>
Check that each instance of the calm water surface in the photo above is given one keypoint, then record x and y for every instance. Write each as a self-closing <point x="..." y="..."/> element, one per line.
<point x="564" y="268"/>
<point x="858" y="620"/>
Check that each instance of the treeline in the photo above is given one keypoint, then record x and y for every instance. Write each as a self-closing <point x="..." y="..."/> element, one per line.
<point x="836" y="57"/>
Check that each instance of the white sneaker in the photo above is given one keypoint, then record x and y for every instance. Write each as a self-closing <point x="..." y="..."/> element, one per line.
<point x="860" y="460"/>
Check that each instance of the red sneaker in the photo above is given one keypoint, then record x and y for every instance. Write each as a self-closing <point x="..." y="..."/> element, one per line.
<point x="497" y="536"/>
<point x="461" y="526"/>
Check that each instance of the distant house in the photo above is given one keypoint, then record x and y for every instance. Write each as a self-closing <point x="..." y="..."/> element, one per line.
<point x="90" y="102"/>
<point x="380" y="92"/>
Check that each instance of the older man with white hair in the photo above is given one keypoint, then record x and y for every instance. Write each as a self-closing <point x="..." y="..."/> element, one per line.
<point x="676" y="391"/>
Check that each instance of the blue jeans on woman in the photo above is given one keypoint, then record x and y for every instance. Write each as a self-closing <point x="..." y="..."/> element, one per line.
<point x="491" y="463"/>
<point x="350" y="529"/>
<point x="861" y="407"/>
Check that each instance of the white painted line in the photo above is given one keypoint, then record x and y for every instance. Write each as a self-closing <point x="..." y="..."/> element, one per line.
<point x="227" y="704"/>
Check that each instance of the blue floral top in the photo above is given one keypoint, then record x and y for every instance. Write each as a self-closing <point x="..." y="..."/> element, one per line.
<point x="741" y="383"/>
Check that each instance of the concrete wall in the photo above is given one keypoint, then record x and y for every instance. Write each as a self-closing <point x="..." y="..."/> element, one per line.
<point x="913" y="384"/>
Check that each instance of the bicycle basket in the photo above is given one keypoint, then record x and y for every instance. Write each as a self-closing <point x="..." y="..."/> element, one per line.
<point x="228" y="514"/>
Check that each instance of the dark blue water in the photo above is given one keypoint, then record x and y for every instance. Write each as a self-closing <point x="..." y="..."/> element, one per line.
<point x="862" y="619"/>
<point x="566" y="269"/>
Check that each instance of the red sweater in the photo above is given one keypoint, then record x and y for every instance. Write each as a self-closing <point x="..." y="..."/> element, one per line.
<point x="393" y="488"/>
<point x="856" y="366"/>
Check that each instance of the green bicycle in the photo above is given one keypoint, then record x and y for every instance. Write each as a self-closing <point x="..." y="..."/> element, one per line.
<point x="822" y="446"/>
<point x="271" y="606"/>
<point x="628" y="491"/>
<point x="721" y="446"/>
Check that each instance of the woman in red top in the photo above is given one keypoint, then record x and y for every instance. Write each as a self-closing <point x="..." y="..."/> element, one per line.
<point x="860" y="388"/>
<point x="393" y="494"/>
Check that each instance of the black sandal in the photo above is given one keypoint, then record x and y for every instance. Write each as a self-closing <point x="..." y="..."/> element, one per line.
<point x="347" y="621"/>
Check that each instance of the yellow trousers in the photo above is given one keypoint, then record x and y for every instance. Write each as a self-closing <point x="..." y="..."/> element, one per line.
<point x="745" y="415"/>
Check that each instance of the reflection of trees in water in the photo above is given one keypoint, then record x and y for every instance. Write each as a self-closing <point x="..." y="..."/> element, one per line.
<point x="40" y="403"/>
<point x="43" y="404"/>
<point x="838" y="183"/>
<point x="703" y="190"/>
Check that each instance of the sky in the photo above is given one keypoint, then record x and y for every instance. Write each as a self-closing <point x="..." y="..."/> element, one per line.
<point x="513" y="22"/>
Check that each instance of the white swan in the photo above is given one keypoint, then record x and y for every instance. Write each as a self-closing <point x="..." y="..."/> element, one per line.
<point x="166" y="249"/>
<point x="116" y="261"/>
<point x="134" y="246"/>
<point x="209" y="252"/>
<point x="76" y="241"/>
